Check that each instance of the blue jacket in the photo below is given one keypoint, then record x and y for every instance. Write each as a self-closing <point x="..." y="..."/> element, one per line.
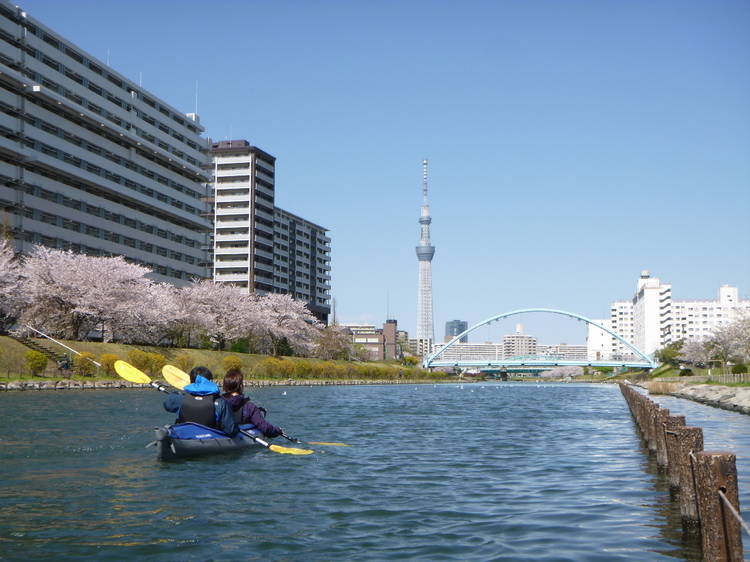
<point x="204" y="387"/>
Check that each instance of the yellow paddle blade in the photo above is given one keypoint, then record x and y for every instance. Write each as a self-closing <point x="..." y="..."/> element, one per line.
<point x="130" y="373"/>
<point x="329" y="444"/>
<point x="176" y="377"/>
<point x="290" y="450"/>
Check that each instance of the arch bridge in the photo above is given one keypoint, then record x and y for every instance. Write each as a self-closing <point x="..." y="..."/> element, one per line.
<point x="638" y="359"/>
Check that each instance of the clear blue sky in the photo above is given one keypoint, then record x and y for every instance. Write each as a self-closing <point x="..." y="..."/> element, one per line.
<point x="571" y="143"/>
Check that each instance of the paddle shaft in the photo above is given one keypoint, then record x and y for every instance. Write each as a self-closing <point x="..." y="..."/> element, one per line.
<point x="62" y="344"/>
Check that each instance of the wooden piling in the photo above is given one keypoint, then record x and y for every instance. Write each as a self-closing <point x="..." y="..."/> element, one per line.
<point x="660" y="437"/>
<point x="690" y="440"/>
<point x="721" y="536"/>
<point x="671" y="423"/>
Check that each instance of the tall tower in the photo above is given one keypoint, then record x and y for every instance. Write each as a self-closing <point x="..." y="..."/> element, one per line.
<point x="425" y="251"/>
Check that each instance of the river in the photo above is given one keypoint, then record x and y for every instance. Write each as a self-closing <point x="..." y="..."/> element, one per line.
<point x="483" y="471"/>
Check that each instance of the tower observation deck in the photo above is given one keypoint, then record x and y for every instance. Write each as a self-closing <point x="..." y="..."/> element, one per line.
<point x="425" y="252"/>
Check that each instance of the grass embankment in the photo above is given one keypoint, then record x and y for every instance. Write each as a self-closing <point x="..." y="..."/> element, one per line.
<point x="258" y="367"/>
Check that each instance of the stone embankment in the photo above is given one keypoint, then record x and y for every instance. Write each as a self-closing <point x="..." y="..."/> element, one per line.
<point x="726" y="397"/>
<point x="91" y="385"/>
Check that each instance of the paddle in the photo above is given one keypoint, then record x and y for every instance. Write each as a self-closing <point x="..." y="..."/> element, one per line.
<point x="130" y="373"/>
<point x="179" y="379"/>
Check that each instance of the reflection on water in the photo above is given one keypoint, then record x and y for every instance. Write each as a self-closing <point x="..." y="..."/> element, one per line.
<point x="450" y="472"/>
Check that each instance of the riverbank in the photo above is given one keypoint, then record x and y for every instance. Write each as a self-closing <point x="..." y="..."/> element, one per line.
<point x="735" y="398"/>
<point x="21" y="385"/>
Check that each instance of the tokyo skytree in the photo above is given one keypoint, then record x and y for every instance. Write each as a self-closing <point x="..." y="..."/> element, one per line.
<point x="425" y="251"/>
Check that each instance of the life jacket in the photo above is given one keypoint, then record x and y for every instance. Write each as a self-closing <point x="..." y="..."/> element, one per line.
<point x="198" y="409"/>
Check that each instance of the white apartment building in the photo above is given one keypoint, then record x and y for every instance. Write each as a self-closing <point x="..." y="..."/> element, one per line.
<point x="471" y="351"/>
<point x="258" y="246"/>
<point x="244" y="200"/>
<point x="519" y="344"/>
<point x="568" y="352"/>
<point x="652" y="314"/>
<point x="92" y="162"/>
<point x="652" y="319"/>
<point x="697" y="319"/>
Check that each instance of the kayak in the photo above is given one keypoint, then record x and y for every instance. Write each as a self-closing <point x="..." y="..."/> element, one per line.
<point x="184" y="440"/>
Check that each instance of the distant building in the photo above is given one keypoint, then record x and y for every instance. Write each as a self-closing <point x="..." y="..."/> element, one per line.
<point x="455" y="327"/>
<point x="380" y="343"/>
<point x="519" y="344"/>
<point x="564" y="351"/>
<point x="258" y="246"/>
<point x="652" y="319"/>
<point x="471" y="351"/>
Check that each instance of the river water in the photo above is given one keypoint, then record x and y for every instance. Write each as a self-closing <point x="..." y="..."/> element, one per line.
<point x="483" y="471"/>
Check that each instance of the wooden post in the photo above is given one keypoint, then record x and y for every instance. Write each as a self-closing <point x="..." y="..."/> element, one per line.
<point x="671" y="423"/>
<point x="652" y="410"/>
<point x="720" y="531"/>
<point x="661" y="442"/>
<point x="690" y="440"/>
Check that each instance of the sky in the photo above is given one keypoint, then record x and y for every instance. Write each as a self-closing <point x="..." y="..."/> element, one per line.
<point x="571" y="144"/>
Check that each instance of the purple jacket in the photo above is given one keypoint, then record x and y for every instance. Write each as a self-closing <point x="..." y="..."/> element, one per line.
<point x="246" y="411"/>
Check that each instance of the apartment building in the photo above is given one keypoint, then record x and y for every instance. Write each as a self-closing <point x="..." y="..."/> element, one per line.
<point x="379" y="343"/>
<point x="519" y="344"/>
<point x="652" y="319"/>
<point x="91" y="161"/>
<point x="258" y="246"/>
<point x="244" y="206"/>
<point x="302" y="262"/>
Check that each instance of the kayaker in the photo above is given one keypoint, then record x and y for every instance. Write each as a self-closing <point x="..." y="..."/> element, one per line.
<point x="244" y="410"/>
<point x="201" y="403"/>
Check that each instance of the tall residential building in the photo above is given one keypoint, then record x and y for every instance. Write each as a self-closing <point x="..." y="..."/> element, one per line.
<point x="425" y="252"/>
<point x="652" y="314"/>
<point x="652" y="319"/>
<point x="258" y="246"/>
<point x="519" y="344"/>
<point x="91" y="161"/>
<point x="244" y="197"/>
<point x="302" y="262"/>
<point x="454" y="328"/>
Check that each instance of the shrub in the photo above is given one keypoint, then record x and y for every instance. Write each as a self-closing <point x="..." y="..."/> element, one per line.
<point x="686" y="372"/>
<point x="108" y="362"/>
<point x="231" y="362"/>
<point x="155" y="361"/>
<point x="36" y="362"/>
<point x="138" y="359"/>
<point x="184" y="361"/>
<point x="739" y="369"/>
<point x="82" y="365"/>
<point x="302" y="369"/>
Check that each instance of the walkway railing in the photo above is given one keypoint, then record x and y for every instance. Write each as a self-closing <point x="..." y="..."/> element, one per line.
<point x="706" y="481"/>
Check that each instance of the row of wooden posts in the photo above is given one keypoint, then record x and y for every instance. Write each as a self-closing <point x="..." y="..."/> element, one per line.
<point x="706" y="481"/>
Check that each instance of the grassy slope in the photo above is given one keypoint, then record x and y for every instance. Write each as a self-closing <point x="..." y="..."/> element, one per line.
<point x="12" y="363"/>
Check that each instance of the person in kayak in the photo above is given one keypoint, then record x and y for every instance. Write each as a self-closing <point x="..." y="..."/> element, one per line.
<point x="201" y="403"/>
<point x="244" y="410"/>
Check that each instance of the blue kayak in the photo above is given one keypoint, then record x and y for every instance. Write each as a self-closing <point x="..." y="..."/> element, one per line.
<point x="184" y="440"/>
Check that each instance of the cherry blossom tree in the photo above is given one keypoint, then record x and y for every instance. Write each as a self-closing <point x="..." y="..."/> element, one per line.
<point x="69" y="294"/>
<point x="334" y="342"/>
<point x="10" y="285"/>
<point x="221" y="311"/>
<point x="695" y="352"/>
<point x="284" y="318"/>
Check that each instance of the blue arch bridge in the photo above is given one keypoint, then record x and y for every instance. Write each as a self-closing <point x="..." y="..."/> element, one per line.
<point x="444" y="357"/>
